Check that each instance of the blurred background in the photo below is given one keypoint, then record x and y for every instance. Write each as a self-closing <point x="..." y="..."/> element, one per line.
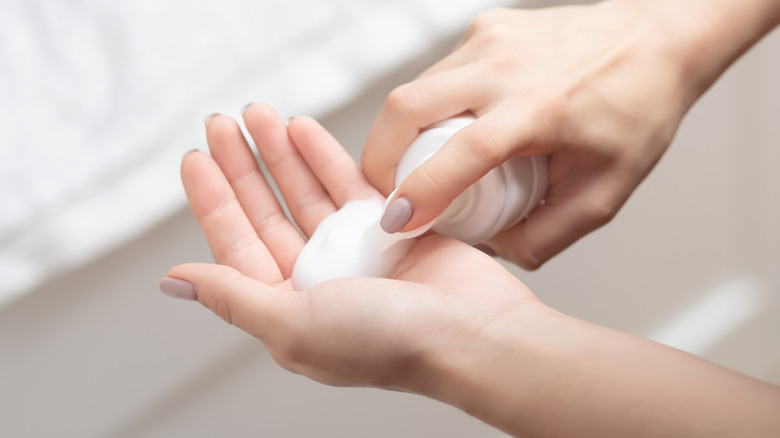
<point x="99" y="100"/>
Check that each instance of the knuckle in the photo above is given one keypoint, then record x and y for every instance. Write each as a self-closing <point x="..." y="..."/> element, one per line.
<point x="485" y="19"/>
<point x="496" y="35"/>
<point x="236" y="248"/>
<point x="220" y="306"/>
<point x="402" y="99"/>
<point x="553" y="105"/>
<point x="489" y="32"/>
<point x="480" y="146"/>
<point x="221" y="302"/>
<point x="430" y="180"/>
<point x="479" y="22"/>
<point x="550" y="115"/>
<point x="270" y="221"/>
<point x="314" y="199"/>
<point x="503" y="60"/>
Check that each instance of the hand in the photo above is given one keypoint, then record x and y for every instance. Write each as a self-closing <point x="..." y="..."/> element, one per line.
<point x="356" y="331"/>
<point x="450" y="324"/>
<point x="600" y="88"/>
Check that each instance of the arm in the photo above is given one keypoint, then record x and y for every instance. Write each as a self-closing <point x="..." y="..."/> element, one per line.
<point x="451" y="323"/>
<point x="600" y="88"/>
<point x="546" y="374"/>
<point x="712" y="35"/>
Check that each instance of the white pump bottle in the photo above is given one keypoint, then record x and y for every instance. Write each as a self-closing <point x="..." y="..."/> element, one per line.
<point x="350" y="243"/>
<point x="498" y="201"/>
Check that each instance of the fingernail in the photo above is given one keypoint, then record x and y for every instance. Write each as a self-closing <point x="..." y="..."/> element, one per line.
<point x="396" y="215"/>
<point x="486" y="249"/>
<point x="243" y="110"/>
<point x="209" y="117"/>
<point x="191" y="151"/>
<point x="178" y="288"/>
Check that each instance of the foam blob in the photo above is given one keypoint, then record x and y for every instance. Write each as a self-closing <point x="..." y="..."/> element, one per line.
<point x="350" y="243"/>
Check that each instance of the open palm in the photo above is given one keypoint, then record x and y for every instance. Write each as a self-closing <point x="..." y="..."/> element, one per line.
<point x="354" y="331"/>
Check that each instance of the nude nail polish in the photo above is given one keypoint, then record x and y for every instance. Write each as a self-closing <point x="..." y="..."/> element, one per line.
<point x="396" y="215"/>
<point x="246" y="107"/>
<point x="178" y="288"/>
<point x="209" y="117"/>
<point x="496" y="202"/>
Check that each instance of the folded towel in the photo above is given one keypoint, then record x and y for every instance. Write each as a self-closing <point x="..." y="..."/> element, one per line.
<point x="100" y="99"/>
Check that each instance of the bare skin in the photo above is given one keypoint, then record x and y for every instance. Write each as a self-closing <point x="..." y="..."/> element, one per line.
<point x="600" y="88"/>
<point x="450" y="323"/>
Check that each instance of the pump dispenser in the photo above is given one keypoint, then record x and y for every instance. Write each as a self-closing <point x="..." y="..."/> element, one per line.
<point x="499" y="200"/>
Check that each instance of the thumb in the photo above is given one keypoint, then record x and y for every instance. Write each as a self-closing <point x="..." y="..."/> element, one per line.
<point x="240" y="300"/>
<point x="465" y="158"/>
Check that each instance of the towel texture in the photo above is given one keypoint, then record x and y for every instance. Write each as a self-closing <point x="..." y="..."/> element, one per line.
<point x="100" y="99"/>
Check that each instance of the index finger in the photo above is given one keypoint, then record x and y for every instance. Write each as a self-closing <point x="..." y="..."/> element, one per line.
<point x="465" y="158"/>
<point x="414" y="106"/>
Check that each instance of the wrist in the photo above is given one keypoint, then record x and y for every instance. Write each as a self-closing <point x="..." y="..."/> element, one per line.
<point x="536" y="372"/>
<point x="702" y="38"/>
<point x="487" y="370"/>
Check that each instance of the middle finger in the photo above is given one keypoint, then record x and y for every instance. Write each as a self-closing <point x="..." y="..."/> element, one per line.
<point x="305" y="196"/>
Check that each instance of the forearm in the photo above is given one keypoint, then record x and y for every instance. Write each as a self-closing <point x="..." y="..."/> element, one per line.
<point x="551" y="375"/>
<point x="545" y="374"/>
<point x="706" y="36"/>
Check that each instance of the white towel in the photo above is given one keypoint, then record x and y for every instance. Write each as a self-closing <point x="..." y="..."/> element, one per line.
<point x="99" y="99"/>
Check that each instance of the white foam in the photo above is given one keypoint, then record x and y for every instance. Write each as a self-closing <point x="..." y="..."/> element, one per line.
<point x="350" y="243"/>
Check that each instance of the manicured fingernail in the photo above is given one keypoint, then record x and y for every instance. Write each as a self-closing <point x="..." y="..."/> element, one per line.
<point x="178" y="288"/>
<point x="246" y="107"/>
<point x="486" y="249"/>
<point x="209" y="117"/>
<point x="397" y="214"/>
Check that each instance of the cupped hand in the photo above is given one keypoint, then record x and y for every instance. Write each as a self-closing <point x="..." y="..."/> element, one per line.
<point x="598" y="88"/>
<point x="356" y="331"/>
